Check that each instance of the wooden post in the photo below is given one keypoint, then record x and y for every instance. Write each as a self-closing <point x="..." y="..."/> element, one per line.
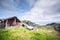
<point x="3" y="22"/>
<point x="6" y="23"/>
<point x="14" y="21"/>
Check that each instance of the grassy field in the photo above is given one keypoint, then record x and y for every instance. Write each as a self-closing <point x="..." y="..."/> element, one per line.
<point x="24" y="34"/>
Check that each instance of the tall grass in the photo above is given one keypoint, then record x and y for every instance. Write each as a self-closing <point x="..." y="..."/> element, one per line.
<point x="24" y="34"/>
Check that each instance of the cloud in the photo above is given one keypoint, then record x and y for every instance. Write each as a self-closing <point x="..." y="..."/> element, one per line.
<point x="17" y="4"/>
<point x="15" y="7"/>
<point x="31" y="2"/>
<point x="44" y="11"/>
<point x="38" y="11"/>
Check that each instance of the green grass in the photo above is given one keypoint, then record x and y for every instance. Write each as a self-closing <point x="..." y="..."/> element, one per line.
<point x="24" y="34"/>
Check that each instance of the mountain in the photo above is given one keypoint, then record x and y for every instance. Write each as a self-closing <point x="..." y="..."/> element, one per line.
<point x="56" y="26"/>
<point x="53" y="24"/>
<point x="30" y="23"/>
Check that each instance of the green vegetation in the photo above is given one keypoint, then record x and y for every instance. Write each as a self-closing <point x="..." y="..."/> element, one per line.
<point x="1" y="26"/>
<point x="24" y="34"/>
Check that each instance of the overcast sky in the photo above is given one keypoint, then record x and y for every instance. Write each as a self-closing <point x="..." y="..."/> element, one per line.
<point x="38" y="11"/>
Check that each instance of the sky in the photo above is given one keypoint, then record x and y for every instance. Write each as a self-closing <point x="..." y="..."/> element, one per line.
<point x="38" y="11"/>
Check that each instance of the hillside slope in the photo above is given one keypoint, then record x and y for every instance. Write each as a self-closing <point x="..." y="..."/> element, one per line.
<point x="24" y="34"/>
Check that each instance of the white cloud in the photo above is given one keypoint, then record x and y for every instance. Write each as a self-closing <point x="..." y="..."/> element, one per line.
<point x="31" y="2"/>
<point x="41" y="11"/>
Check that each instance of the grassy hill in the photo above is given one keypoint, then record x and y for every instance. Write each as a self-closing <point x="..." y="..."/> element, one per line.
<point x="24" y="34"/>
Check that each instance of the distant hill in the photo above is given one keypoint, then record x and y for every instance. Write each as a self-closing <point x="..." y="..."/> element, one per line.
<point x="53" y="24"/>
<point x="56" y="26"/>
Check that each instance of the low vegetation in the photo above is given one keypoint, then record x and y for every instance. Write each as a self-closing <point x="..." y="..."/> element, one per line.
<point x="25" y="34"/>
